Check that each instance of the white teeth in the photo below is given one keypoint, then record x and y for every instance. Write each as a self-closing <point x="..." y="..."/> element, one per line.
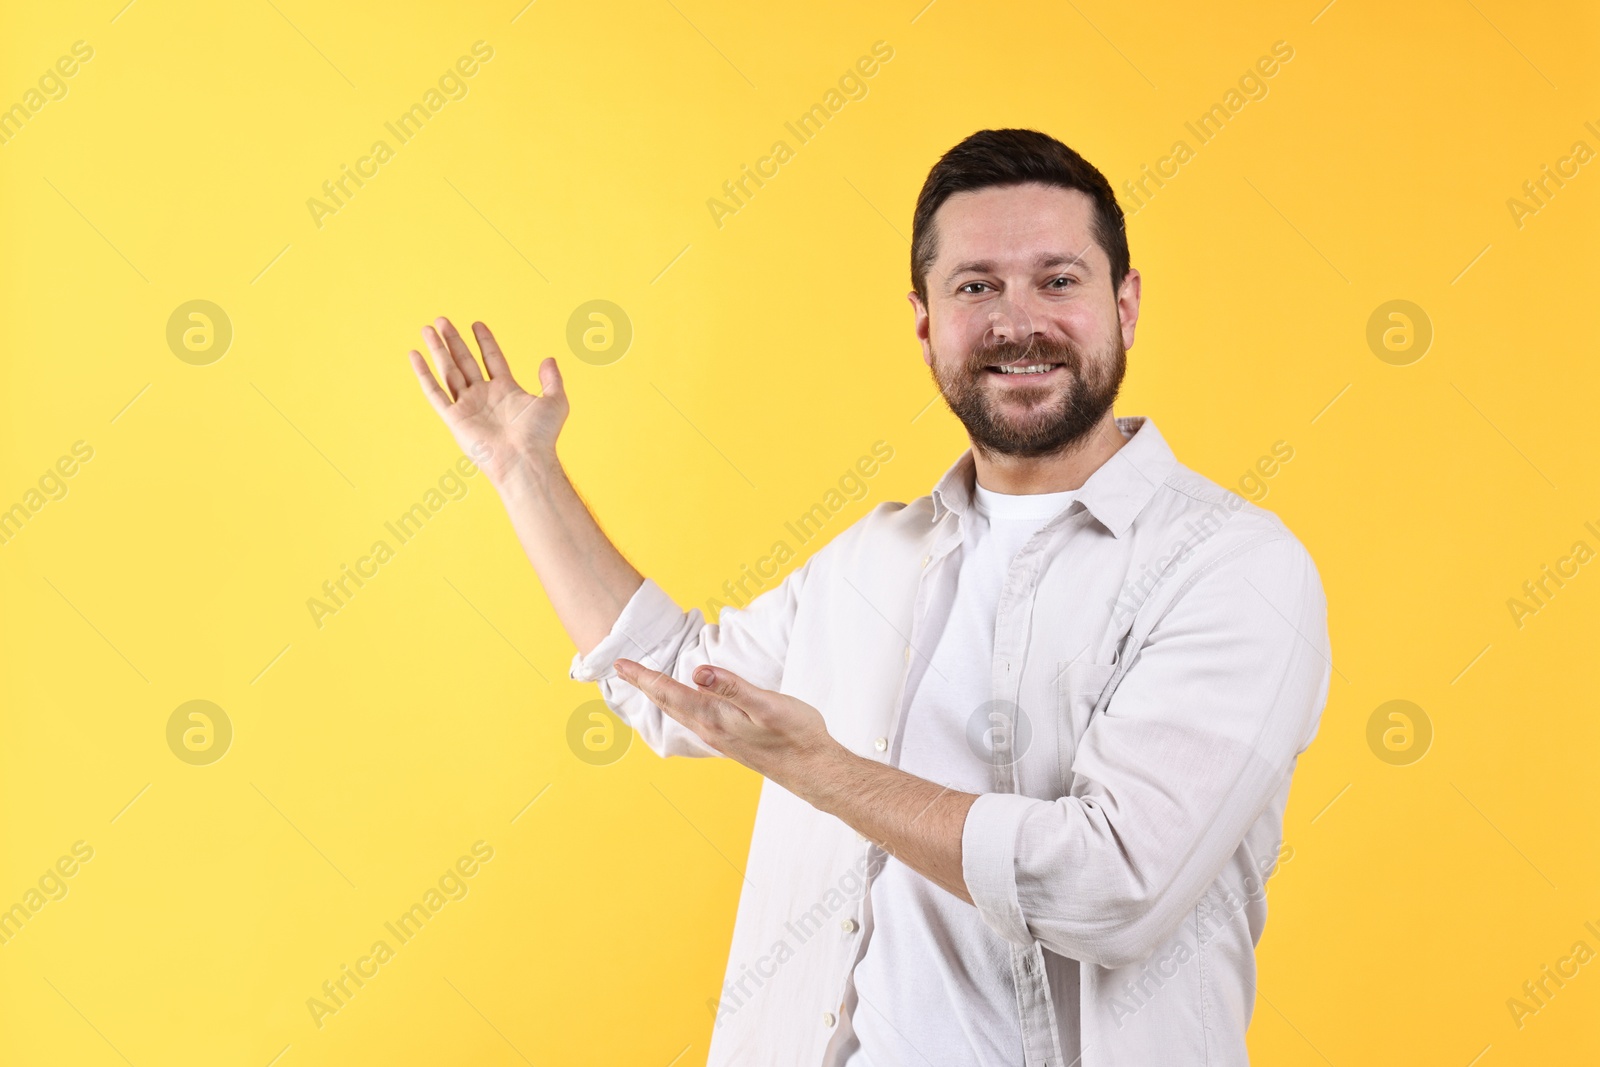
<point x="1035" y="369"/>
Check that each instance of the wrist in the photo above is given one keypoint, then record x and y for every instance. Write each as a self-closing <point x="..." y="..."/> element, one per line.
<point x="524" y="473"/>
<point x="822" y="774"/>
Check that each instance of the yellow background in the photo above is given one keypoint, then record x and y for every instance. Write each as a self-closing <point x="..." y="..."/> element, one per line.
<point x="768" y="355"/>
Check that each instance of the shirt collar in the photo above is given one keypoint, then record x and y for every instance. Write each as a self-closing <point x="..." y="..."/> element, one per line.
<point x="1114" y="494"/>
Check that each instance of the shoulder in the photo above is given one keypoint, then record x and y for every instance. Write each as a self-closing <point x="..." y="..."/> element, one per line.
<point x="891" y="526"/>
<point x="1193" y="528"/>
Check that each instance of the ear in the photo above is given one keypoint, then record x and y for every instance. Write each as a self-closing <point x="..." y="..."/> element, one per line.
<point x="922" y="325"/>
<point x="1128" y="306"/>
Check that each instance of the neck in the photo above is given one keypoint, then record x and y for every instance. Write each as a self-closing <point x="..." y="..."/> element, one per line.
<point x="1055" y="473"/>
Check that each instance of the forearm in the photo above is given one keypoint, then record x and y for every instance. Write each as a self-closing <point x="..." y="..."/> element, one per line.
<point x="587" y="580"/>
<point x="914" y="820"/>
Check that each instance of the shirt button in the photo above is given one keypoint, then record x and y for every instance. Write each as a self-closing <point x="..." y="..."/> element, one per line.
<point x="881" y="744"/>
<point x="926" y="560"/>
<point x="827" y="1018"/>
<point x="908" y="653"/>
<point x="848" y="926"/>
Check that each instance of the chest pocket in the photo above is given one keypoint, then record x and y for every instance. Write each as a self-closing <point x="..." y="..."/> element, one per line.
<point x="1078" y="691"/>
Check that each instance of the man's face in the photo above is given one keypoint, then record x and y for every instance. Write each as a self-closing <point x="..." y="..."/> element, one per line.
<point x="1018" y="281"/>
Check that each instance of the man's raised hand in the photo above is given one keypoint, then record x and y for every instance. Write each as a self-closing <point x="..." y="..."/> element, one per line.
<point x="503" y="428"/>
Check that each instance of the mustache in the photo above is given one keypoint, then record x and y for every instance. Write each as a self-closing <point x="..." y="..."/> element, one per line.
<point x="1035" y="350"/>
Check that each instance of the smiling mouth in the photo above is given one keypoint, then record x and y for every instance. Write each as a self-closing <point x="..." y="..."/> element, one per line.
<point x="1029" y="370"/>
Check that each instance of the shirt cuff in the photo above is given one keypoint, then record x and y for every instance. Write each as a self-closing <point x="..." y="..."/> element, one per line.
<point x="647" y="619"/>
<point x="989" y="861"/>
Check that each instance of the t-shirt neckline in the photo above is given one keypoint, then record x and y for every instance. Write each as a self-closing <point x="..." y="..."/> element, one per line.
<point x="1031" y="506"/>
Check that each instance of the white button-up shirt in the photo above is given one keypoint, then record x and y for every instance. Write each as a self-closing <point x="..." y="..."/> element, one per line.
<point x="1162" y="644"/>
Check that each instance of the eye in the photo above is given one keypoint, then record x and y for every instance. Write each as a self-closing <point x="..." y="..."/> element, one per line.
<point x="1056" y="283"/>
<point x="967" y="287"/>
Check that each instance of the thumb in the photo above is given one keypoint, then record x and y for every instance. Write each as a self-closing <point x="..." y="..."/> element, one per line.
<point x="725" y="683"/>
<point x="550" y="383"/>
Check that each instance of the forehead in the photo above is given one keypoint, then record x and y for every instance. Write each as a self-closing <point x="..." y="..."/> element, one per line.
<point x="1015" y="224"/>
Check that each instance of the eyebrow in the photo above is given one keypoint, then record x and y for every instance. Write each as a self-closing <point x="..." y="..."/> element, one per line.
<point x="1044" y="261"/>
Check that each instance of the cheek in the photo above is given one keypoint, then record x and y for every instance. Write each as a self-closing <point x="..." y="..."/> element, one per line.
<point x="957" y="331"/>
<point x="1087" y="326"/>
<point x="1095" y="334"/>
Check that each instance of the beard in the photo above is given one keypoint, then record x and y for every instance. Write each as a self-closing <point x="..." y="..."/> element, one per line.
<point x="1031" y="420"/>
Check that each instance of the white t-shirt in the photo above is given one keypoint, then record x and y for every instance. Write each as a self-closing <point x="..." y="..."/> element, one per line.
<point x="934" y="984"/>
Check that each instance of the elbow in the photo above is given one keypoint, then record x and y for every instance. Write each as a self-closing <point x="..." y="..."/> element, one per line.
<point x="1110" y="950"/>
<point x="1127" y="946"/>
<point x="1076" y="900"/>
<point x="1130" y="934"/>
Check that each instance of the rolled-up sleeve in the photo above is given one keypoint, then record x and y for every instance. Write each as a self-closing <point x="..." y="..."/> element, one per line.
<point x="1200" y="734"/>
<point x="652" y="629"/>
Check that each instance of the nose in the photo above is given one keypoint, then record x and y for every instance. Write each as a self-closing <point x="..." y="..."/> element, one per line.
<point x="1013" y="319"/>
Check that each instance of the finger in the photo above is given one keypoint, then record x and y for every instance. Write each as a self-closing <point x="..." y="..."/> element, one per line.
<point x="670" y="695"/>
<point x="493" y="360"/>
<point x="551" y="383"/>
<point x="552" y="390"/>
<point x="454" y="380"/>
<point x="729" y="686"/>
<point x="459" y="350"/>
<point x="430" y="387"/>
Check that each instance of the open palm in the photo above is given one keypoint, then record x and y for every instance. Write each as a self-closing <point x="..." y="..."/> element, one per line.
<point x="496" y="422"/>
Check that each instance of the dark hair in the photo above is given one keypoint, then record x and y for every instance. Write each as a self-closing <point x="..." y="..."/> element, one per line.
<point x="1012" y="157"/>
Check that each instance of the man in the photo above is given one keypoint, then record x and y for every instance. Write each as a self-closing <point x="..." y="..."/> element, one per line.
<point x="1026" y="740"/>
